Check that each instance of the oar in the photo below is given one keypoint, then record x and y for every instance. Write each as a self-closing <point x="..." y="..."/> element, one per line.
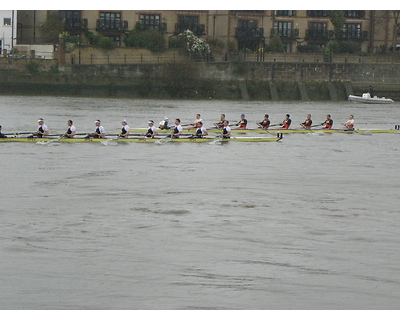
<point x="18" y="133"/>
<point x="271" y="125"/>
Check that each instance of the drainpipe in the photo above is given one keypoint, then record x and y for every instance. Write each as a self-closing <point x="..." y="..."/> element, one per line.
<point x="12" y="30"/>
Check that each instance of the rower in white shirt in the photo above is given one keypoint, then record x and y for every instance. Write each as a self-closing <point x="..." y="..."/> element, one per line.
<point x="41" y="131"/>
<point x="71" y="131"/>
<point x="226" y="130"/>
<point x="200" y="131"/>
<point x="124" y="130"/>
<point x="151" y="130"/>
<point x="178" y="129"/>
<point x="99" y="132"/>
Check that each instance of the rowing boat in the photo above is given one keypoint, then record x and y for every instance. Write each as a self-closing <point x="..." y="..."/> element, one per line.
<point x="274" y="131"/>
<point x="143" y="140"/>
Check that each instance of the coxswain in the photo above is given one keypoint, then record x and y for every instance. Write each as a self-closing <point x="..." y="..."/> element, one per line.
<point x="265" y="123"/>
<point x="151" y="130"/>
<point x="220" y="123"/>
<point x="226" y="130"/>
<point x="124" y="130"/>
<point x="41" y="131"/>
<point x="328" y="122"/>
<point x="349" y="124"/>
<point x="242" y="123"/>
<point x="164" y="124"/>
<point x="286" y="123"/>
<point x="196" y="122"/>
<point x="178" y="129"/>
<point x="71" y="131"/>
<point x="307" y="123"/>
<point x="99" y="132"/>
<point x="2" y="135"/>
<point x="200" y="131"/>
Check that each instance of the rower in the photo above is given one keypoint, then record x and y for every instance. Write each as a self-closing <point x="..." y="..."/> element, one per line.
<point x="220" y="123"/>
<point x="41" y="131"/>
<point x="242" y="123"/>
<point x="265" y="123"/>
<point x="124" y="130"/>
<point x="151" y="131"/>
<point x="226" y="130"/>
<point x="349" y="124"/>
<point x="71" y="131"/>
<point x="197" y="121"/>
<point x="99" y="132"/>
<point x="307" y="123"/>
<point x="328" y="122"/>
<point x="164" y="124"/>
<point x="286" y="123"/>
<point x="2" y="135"/>
<point x="178" y="129"/>
<point x="200" y="132"/>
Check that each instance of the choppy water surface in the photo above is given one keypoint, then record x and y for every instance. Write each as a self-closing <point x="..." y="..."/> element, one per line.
<point x="311" y="222"/>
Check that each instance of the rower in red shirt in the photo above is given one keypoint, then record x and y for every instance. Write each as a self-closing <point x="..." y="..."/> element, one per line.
<point x="307" y="123"/>
<point x="265" y="123"/>
<point x="328" y="122"/>
<point x="286" y="123"/>
<point x="242" y="123"/>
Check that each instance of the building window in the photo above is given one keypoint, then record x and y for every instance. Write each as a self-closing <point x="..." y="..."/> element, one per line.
<point x="284" y="13"/>
<point x="150" y="21"/>
<point x="319" y="26"/>
<point x="283" y="29"/>
<point x="355" y="14"/>
<point x="317" y="13"/>
<point x="71" y="18"/>
<point x="317" y="31"/>
<point x="7" y="21"/>
<point x="110" y="20"/>
<point x="352" y="31"/>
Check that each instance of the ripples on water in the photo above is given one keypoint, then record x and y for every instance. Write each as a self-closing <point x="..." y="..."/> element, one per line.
<point x="308" y="223"/>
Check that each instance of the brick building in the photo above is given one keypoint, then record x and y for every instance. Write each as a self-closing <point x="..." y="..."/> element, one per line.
<point x="373" y="29"/>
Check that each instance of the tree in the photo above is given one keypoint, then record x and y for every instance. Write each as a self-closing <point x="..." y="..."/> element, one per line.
<point x="51" y="28"/>
<point x="396" y="26"/>
<point x="337" y="19"/>
<point x="275" y="44"/>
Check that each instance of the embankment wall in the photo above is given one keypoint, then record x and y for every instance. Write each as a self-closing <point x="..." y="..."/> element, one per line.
<point x="217" y="80"/>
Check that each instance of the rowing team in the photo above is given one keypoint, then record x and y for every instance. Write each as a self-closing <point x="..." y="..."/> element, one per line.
<point x="200" y="132"/>
<point x="307" y="124"/>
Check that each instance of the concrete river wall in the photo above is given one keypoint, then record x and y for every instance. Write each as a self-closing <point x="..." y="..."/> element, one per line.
<point x="217" y="80"/>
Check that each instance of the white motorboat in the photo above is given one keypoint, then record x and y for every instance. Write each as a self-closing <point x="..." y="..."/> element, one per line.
<point x="366" y="98"/>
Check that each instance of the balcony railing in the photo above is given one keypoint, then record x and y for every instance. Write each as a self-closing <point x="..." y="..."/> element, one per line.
<point x="351" y="35"/>
<point x="251" y="33"/>
<point x="319" y="35"/>
<point x="286" y="34"/>
<point x="197" y="29"/>
<point x="103" y="25"/>
<point x="75" y="24"/>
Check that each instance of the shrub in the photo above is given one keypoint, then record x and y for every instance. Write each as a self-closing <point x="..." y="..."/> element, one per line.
<point x="345" y="47"/>
<point x="152" y="40"/>
<point x="100" y="41"/>
<point x="32" y="67"/>
<point x="275" y="44"/>
<point x="309" y="48"/>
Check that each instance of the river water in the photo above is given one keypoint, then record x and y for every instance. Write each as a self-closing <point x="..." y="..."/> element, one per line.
<point x="310" y="222"/>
